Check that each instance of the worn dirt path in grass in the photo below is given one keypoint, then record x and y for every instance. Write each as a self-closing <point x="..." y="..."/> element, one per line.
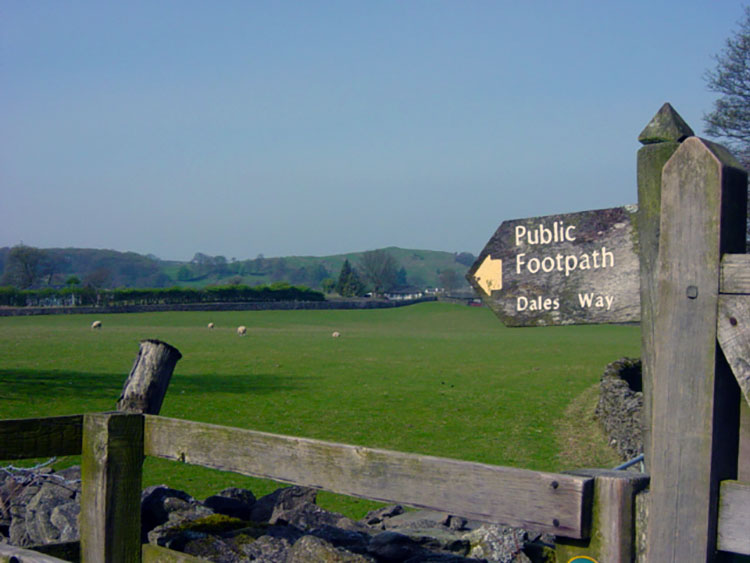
<point x="580" y="438"/>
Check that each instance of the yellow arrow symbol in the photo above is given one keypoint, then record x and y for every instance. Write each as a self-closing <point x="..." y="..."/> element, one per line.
<point x="489" y="275"/>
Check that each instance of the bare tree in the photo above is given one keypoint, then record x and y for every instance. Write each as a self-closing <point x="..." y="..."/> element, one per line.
<point x="380" y="269"/>
<point x="449" y="279"/>
<point x="25" y="266"/>
<point x="730" y="119"/>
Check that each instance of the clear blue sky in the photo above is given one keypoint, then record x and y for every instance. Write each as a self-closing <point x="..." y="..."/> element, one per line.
<point x="322" y="127"/>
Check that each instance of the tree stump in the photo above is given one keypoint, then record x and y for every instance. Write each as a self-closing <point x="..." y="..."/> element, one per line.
<point x="147" y="383"/>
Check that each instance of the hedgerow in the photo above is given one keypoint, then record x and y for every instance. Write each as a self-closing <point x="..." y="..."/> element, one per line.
<point x="76" y="296"/>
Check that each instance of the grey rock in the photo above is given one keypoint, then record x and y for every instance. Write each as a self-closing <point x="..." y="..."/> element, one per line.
<point x="309" y="549"/>
<point x="158" y="502"/>
<point x="174" y="538"/>
<point x="31" y="511"/>
<point x="377" y="516"/>
<point x="174" y="533"/>
<point x="350" y="540"/>
<point x="417" y="519"/>
<point x="266" y="549"/>
<point x="432" y="557"/>
<point x="213" y="549"/>
<point x="64" y="517"/>
<point x="442" y="540"/>
<point x="497" y="544"/>
<point x="307" y="516"/>
<point x="17" y="533"/>
<point x="288" y="533"/>
<point x="391" y="546"/>
<point x="281" y="499"/>
<point x="234" y="502"/>
<point x="457" y="523"/>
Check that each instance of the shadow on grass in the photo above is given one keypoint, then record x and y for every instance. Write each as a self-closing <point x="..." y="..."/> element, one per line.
<point x="63" y="384"/>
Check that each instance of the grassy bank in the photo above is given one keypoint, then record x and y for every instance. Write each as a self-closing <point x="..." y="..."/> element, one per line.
<point x="434" y="378"/>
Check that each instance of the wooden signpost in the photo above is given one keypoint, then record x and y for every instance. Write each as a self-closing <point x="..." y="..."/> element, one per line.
<point x="561" y="269"/>
<point x="675" y="264"/>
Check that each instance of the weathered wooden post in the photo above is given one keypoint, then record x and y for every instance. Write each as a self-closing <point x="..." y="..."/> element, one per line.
<point x="695" y="398"/>
<point x="112" y="456"/>
<point x="660" y="138"/>
<point x="613" y="519"/>
<point x="147" y="383"/>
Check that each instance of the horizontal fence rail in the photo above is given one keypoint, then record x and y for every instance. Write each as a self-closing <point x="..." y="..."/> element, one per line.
<point x="14" y="554"/>
<point x="735" y="274"/>
<point x="734" y="515"/>
<point x="24" y="438"/>
<point x="549" y="502"/>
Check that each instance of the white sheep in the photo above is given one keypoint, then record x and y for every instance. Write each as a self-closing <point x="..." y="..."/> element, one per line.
<point x="336" y="334"/>
<point x="210" y="325"/>
<point x="242" y="330"/>
<point x="96" y="325"/>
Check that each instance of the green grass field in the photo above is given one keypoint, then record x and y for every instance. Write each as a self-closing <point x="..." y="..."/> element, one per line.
<point x="433" y="378"/>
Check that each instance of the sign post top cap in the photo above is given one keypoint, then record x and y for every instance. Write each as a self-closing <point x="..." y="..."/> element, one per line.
<point x="667" y="125"/>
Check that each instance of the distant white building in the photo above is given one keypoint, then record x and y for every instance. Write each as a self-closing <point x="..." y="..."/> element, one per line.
<point x="404" y="294"/>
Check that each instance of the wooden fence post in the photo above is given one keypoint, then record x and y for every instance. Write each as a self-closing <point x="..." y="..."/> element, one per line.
<point x="612" y="518"/>
<point x="147" y="383"/>
<point x="112" y="457"/>
<point x="660" y="138"/>
<point x="695" y="401"/>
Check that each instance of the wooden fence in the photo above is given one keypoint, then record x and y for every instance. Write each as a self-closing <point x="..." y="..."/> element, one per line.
<point x="114" y="444"/>
<point x="695" y="322"/>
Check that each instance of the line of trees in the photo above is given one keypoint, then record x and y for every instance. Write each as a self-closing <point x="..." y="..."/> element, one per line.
<point x="349" y="284"/>
<point x="77" y="296"/>
<point x="28" y="267"/>
<point x="277" y="269"/>
<point x="380" y="272"/>
<point x="25" y="267"/>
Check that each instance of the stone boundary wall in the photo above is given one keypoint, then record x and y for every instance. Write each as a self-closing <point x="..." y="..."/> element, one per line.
<point x="248" y="306"/>
<point x="620" y="406"/>
<point x="40" y="510"/>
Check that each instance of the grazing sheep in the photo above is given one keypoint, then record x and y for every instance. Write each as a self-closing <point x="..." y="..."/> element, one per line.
<point x="336" y="334"/>
<point x="210" y="325"/>
<point x="96" y="325"/>
<point x="242" y="330"/>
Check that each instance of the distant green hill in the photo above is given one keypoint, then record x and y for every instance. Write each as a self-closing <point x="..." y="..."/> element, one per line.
<point x="109" y="268"/>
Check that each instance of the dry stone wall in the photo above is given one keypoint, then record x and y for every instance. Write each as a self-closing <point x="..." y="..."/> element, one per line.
<point x="620" y="406"/>
<point x="285" y="526"/>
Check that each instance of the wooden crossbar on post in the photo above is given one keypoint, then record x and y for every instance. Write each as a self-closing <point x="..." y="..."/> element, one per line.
<point x="112" y="458"/>
<point x="695" y="403"/>
<point x="25" y="438"/>
<point x="613" y="525"/>
<point x="553" y="503"/>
